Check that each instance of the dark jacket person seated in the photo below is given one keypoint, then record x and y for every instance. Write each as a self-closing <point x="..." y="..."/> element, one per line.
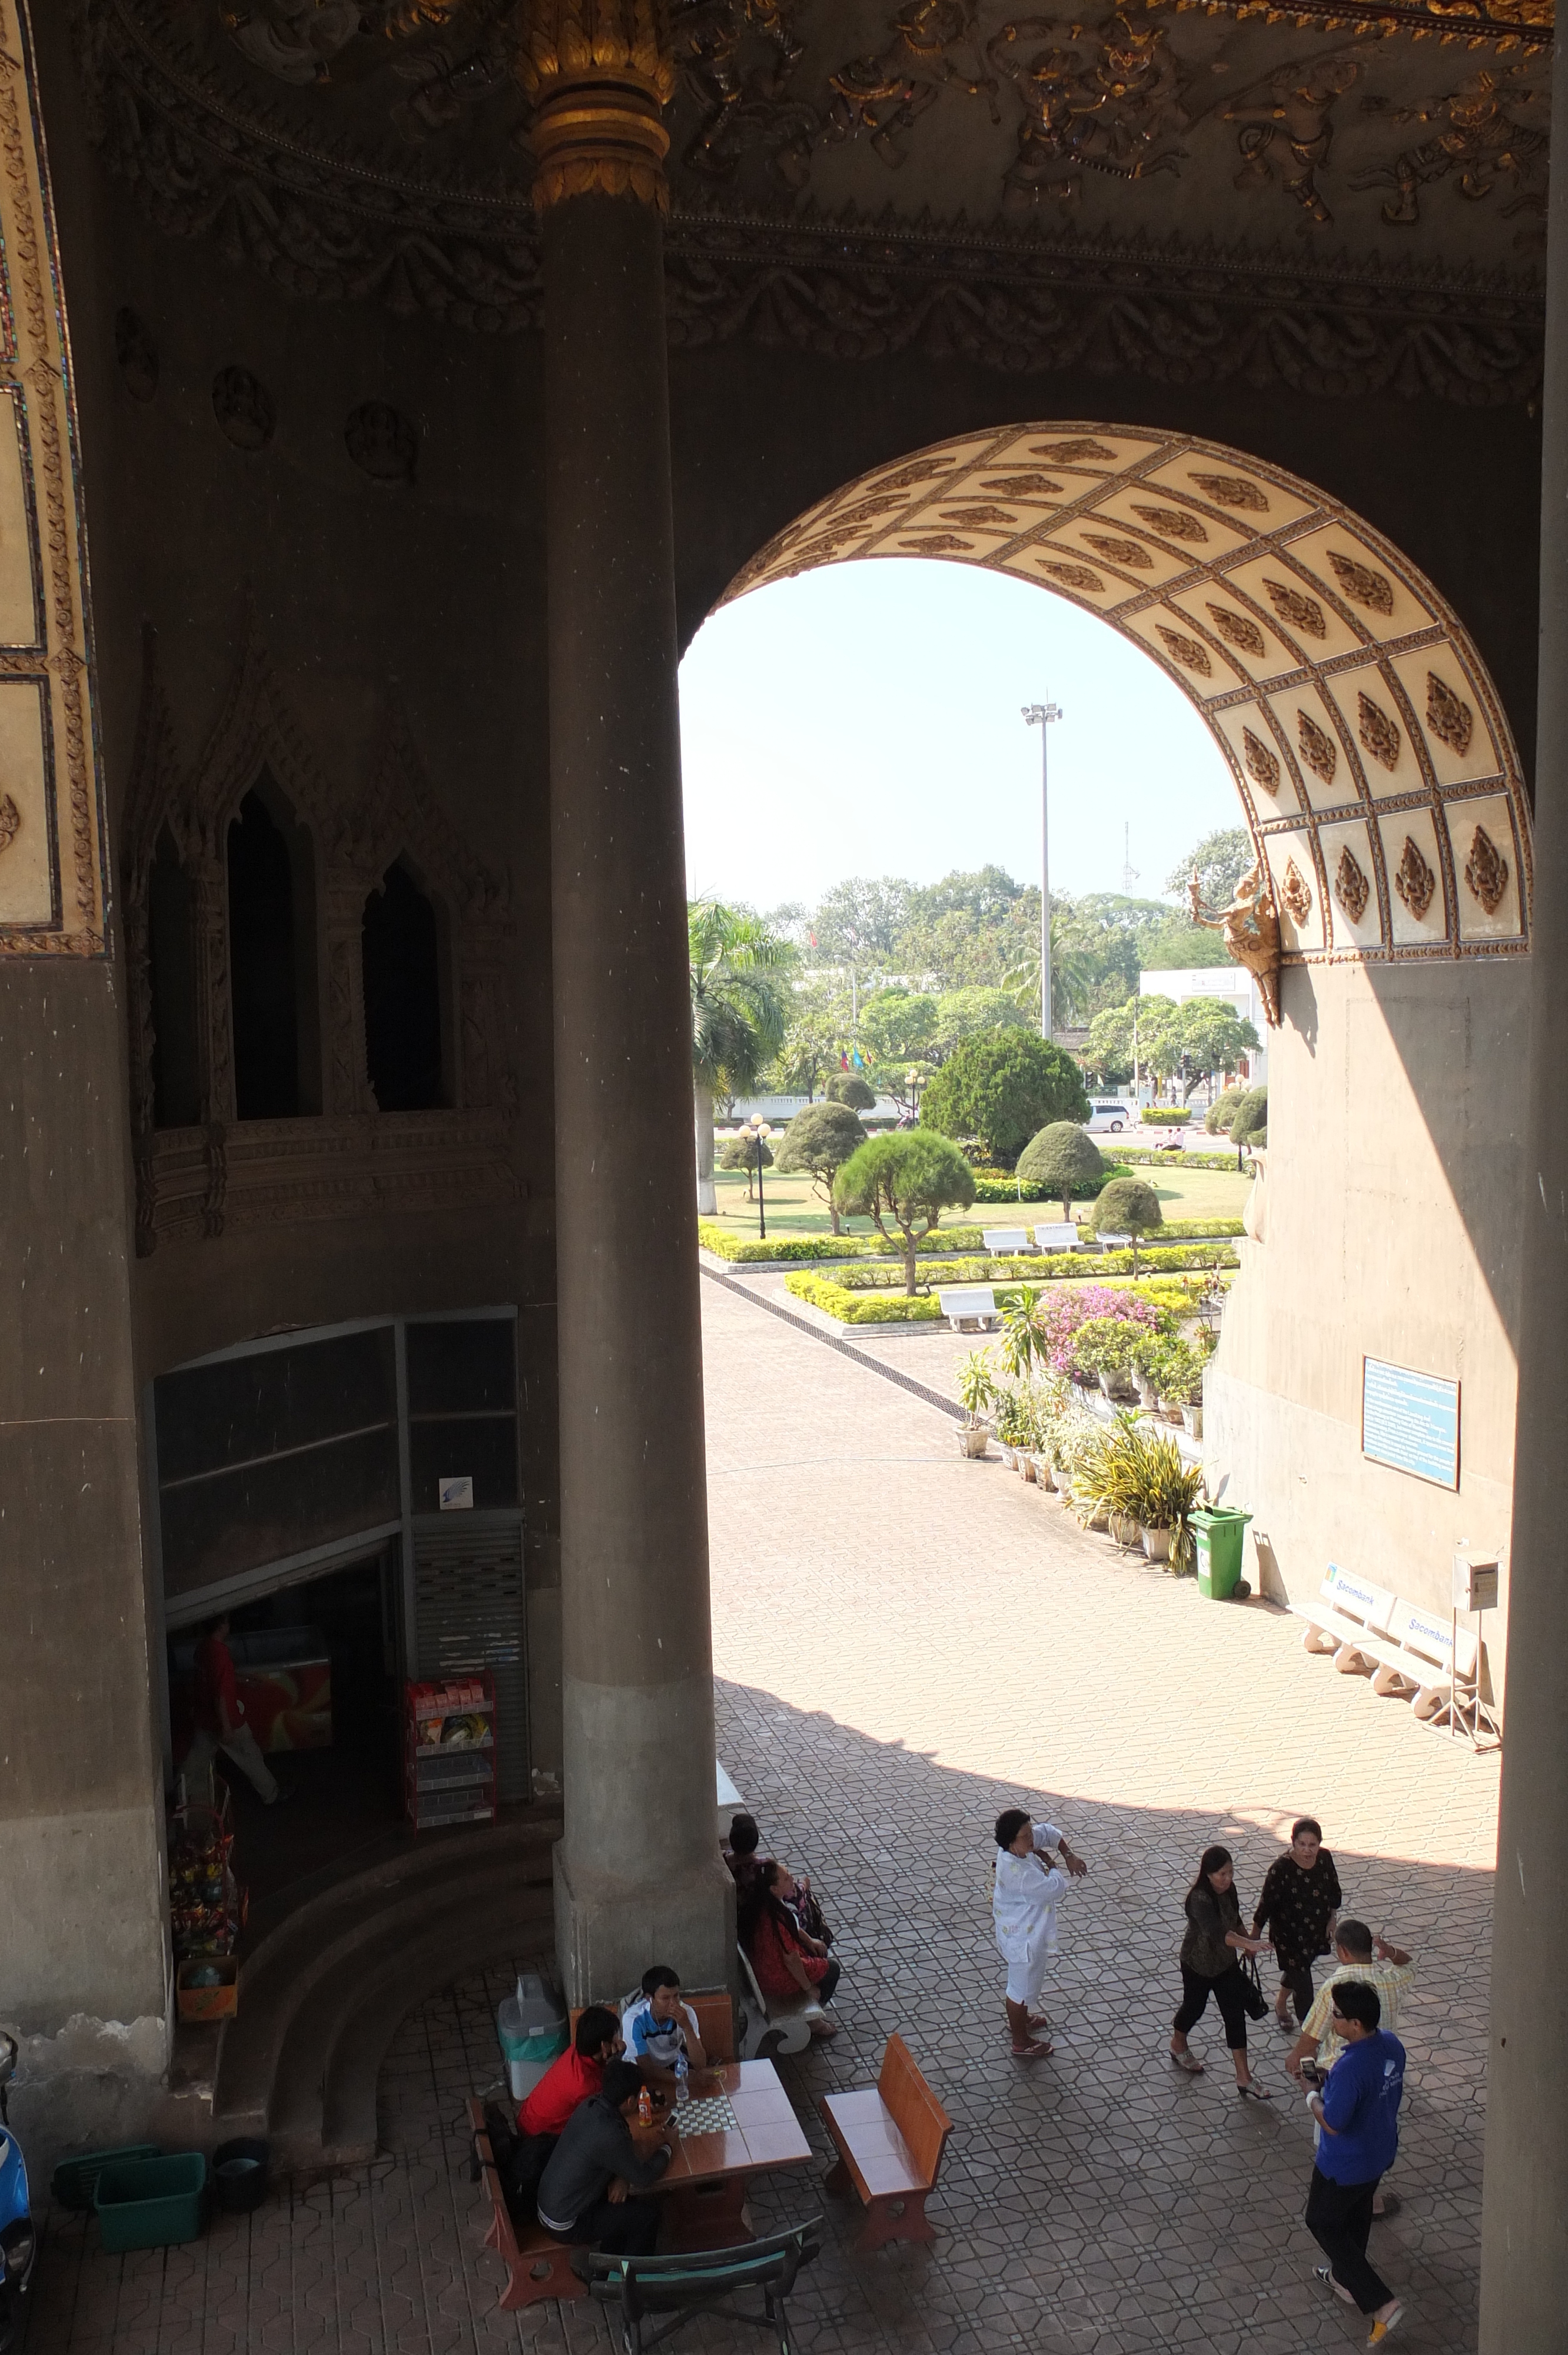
<point x="584" y="2195"/>
<point x="565" y="2085"/>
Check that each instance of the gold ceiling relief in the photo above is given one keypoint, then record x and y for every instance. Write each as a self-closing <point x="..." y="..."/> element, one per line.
<point x="1414" y="878"/>
<point x="1361" y="584"/>
<point x="1275" y="610"/>
<point x="1239" y="630"/>
<point x="1486" y="872"/>
<point x="1318" y="747"/>
<point x="1262" y="765"/>
<point x="1352" y="889"/>
<point x="600" y="73"/>
<point x="1379" y="734"/>
<point x="1447" y="715"/>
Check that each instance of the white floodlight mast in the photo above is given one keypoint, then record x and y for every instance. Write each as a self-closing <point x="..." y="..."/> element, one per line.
<point x="1041" y="715"/>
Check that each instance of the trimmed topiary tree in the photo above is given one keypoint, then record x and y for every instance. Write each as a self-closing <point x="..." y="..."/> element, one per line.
<point x="1222" y="1111"/>
<point x="1065" y="1159"/>
<point x="849" y="1088"/>
<point x="747" y="1153"/>
<point x="818" y="1141"/>
<point x="1250" y="1116"/>
<point x="1128" y="1206"/>
<point x="908" y="1178"/>
<point x="1002" y="1088"/>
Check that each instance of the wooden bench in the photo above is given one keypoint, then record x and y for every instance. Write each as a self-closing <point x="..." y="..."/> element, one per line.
<point x="682" y="2288"/>
<point x="537" y="2265"/>
<point x="771" y="2025"/>
<point x="1061" y="1236"/>
<point x="1408" y="1648"/>
<point x="890" y="2137"/>
<point x="999" y="1240"/>
<point x="967" y="1304"/>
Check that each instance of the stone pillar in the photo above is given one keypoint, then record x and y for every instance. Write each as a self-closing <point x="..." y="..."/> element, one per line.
<point x="638" y="1876"/>
<point x="1524" y="2226"/>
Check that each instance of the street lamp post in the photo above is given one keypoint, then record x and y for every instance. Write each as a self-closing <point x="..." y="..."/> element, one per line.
<point x="759" y="1131"/>
<point x="1041" y="715"/>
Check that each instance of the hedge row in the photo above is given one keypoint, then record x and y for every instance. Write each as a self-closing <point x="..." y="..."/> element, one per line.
<point x="859" y="1308"/>
<point x="1052" y="1267"/>
<point x="1179" y="1160"/>
<point x="956" y="1243"/>
<point x="995" y="1189"/>
<point x="1193" y="1227"/>
<point x="1160" y="1116"/>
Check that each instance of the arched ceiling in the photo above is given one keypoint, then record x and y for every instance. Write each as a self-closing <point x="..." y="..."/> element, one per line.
<point x="1370" y="750"/>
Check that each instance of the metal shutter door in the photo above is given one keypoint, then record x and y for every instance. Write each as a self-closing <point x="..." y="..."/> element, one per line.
<point x="470" y="1613"/>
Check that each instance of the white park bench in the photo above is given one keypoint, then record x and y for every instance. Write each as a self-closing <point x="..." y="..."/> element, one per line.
<point x="965" y="1303"/>
<point x="773" y="2024"/>
<point x="1062" y="1236"/>
<point x="998" y="1239"/>
<point x="1113" y="1242"/>
<point x="1405" y="1645"/>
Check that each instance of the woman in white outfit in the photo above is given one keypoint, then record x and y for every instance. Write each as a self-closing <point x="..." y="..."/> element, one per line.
<point x="1027" y="1890"/>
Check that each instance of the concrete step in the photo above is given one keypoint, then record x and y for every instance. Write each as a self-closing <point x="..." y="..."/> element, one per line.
<point x="304" y="1982"/>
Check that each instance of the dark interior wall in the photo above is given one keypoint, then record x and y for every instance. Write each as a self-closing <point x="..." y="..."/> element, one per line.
<point x="429" y="594"/>
<point x="761" y="434"/>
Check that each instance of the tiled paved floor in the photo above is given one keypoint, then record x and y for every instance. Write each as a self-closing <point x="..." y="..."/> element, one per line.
<point x="906" y="1642"/>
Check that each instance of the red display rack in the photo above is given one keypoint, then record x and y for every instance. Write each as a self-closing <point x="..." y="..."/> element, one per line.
<point x="449" y="1751"/>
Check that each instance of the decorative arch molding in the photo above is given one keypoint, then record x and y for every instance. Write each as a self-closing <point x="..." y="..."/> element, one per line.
<point x="1370" y="750"/>
<point x="350" y="1158"/>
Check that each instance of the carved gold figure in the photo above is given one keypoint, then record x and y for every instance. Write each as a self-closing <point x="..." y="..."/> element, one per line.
<point x="1251" y="929"/>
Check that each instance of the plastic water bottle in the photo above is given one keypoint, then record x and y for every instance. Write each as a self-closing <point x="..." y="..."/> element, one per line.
<point x="683" y="2087"/>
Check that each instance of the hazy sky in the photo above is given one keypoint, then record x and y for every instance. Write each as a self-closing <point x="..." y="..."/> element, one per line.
<point x="864" y="720"/>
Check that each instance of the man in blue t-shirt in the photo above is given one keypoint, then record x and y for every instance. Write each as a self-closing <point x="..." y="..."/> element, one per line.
<point x="1358" y="2110"/>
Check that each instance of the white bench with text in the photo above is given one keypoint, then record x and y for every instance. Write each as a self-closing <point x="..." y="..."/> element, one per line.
<point x="1404" y="1644"/>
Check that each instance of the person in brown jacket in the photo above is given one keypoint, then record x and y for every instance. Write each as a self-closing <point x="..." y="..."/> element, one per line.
<point x="1211" y="1966"/>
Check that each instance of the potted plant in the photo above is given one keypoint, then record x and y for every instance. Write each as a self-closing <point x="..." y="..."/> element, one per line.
<point x="977" y="1391"/>
<point x="1103" y="1347"/>
<point x="1170" y="1489"/>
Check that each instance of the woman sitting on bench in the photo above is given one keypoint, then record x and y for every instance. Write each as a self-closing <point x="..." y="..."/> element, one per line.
<point x="787" y="1963"/>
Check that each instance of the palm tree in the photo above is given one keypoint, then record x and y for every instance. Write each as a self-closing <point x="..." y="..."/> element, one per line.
<point x="739" y="1013"/>
<point x="1075" y="969"/>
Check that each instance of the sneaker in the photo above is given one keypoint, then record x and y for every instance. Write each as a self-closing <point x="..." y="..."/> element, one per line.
<point x="1382" y="2328"/>
<point x="1325" y="2274"/>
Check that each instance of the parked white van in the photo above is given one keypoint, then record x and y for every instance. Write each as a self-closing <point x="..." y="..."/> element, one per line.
<point x="1112" y="1116"/>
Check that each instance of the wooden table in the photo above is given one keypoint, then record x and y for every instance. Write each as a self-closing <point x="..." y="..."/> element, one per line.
<point x="709" y="2174"/>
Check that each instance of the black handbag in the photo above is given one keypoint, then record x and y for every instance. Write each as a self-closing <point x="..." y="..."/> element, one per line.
<point x="1253" y="1996"/>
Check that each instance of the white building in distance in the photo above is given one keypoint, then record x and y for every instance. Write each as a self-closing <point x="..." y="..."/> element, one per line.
<point x="1232" y="984"/>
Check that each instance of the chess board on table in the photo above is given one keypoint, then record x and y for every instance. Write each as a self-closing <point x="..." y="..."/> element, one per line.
<point x="713" y="2114"/>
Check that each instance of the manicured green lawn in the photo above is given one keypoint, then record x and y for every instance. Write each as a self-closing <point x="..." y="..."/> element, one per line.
<point x="795" y="1209"/>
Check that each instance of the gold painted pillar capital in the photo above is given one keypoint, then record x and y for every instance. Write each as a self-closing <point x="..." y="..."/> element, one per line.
<point x="600" y="73"/>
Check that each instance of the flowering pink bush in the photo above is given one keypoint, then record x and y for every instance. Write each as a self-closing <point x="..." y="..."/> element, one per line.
<point x="1079" y="1303"/>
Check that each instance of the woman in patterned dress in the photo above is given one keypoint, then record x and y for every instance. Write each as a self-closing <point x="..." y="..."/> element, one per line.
<point x="1300" y="1903"/>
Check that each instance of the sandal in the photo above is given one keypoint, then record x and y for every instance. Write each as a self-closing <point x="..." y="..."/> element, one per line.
<point x="1187" y="2061"/>
<point x="1039" y="2019"/>
<point x="1250" y="2093"/>
<point x="1032" y="2051"/>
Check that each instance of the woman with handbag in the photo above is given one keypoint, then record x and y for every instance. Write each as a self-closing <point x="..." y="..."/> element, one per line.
<point x="1212" y="1956"/>
<point x="1301" y="1903"/>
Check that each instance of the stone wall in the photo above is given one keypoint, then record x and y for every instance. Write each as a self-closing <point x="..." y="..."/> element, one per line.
<point x="1390" y="1227"/>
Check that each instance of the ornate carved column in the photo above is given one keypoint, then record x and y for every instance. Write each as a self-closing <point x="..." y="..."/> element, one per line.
<point x="1524" y="2217"/>
<point x="637" y="1874"/>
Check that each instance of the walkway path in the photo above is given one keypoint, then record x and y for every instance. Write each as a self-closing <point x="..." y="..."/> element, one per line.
<point x="905" y="1643"/>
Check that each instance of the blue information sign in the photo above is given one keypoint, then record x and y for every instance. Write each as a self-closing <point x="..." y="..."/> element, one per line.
<point x="1410" y="1421"/>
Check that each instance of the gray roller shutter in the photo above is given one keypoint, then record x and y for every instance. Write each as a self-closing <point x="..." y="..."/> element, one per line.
<point x="470" y="1613"/>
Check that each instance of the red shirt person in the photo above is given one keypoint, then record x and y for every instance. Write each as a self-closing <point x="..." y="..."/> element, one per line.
<point x="219" y="1716"/>
<point x="787" y="1963"/>
<point x="575" y="2077"/>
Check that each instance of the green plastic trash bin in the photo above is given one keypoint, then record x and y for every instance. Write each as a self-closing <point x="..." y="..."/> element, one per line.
<point x="1217" y="1534"/>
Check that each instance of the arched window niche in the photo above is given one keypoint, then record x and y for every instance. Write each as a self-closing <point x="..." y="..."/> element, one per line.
<point x="410" y="1050"/>
<point x="171" y="955"/>
<point x="272" y="959"/>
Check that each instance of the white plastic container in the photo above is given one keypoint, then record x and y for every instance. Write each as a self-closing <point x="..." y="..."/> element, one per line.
<point x="532" y="2028"/>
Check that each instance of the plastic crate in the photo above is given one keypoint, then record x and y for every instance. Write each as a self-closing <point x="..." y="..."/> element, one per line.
<point x="151" y="2203"/>
<point x="75" y="2179"/>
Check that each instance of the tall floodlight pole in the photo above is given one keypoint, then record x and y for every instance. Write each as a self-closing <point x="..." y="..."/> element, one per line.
<point x="1041" y="715"/>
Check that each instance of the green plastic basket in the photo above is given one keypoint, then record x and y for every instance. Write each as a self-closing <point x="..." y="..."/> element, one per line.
<point x="151" y="2203"/>
<point x="75" y="2181"/>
